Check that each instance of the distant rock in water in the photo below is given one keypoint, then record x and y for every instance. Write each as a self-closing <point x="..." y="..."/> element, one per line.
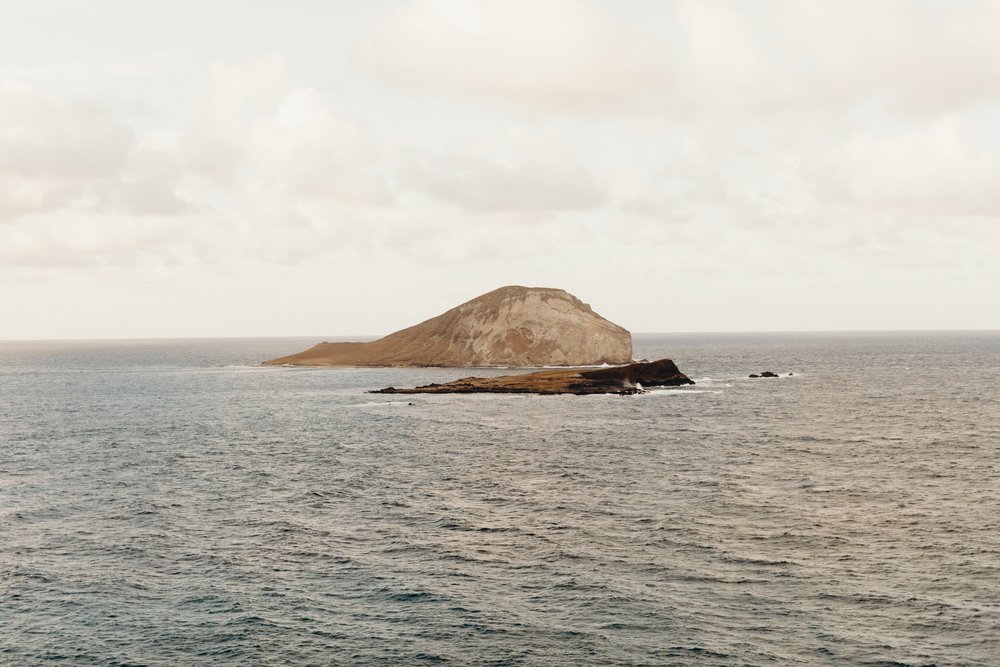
<point x="511" y="326"/>
<point x="617" y="380"/>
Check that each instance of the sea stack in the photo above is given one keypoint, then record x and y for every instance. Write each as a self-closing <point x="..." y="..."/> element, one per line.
<point x="511" y="326"/>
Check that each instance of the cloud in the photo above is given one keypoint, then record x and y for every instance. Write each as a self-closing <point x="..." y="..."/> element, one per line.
<point x="723" y="64"/>
<point x="696" y="59"/>
<point x="215" y="145"/>
<point x="519" y="171"/>
<point x="935" y="170"/>
<point x="700" y="58"/>
<point x="309" y="150"/>
<point x="925" y="58"/>
<point x="43" y="137"/>
<point x="256" y="131"/>
<point x="150" y="183"/>
<point x="874" y="196"/>
<point x="80" y="155"/>
<point x="64" y="239"/>
<point x="264" y="169"/>
<point x="436" y="236"/>
<point x="51" y="151"/>
<point x="292" y="178"/>
<point x="737" y="138"/>
<point x="544" y="54"/>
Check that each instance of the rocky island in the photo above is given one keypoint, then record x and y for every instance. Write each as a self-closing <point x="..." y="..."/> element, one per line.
<point x="511" y="326"/>
<point x="630" y="379"/>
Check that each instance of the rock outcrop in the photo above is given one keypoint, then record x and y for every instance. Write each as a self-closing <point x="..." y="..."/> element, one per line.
<point x="511" y="326"/>
<point x="617" y="380"/>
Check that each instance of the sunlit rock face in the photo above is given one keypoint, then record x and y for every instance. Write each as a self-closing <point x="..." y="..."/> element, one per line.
<point x="510" y="326"/>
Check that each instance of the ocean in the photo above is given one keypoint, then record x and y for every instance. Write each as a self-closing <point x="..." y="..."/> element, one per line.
<point x="175" y="503"/>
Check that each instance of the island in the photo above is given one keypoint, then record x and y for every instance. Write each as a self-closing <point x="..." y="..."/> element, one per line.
<point x="512" y="326"/>
<point x="624" y="380"/>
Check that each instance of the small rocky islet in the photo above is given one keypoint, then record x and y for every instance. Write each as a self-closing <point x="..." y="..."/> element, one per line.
<point x="623" y="380"/>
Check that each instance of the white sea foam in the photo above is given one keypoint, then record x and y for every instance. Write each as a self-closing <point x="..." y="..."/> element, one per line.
<point x="656" y="391"/>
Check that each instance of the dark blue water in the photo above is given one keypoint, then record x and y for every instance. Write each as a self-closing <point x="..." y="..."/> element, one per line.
<point x="167" y="503"/>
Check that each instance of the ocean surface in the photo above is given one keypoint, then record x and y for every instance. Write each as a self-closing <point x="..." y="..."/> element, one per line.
<point x="174" y="503"/>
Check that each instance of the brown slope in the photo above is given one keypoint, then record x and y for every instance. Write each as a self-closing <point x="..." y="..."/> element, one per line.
<point x="510" y="326"/>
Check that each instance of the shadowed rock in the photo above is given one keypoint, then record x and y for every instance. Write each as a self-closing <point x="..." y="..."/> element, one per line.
<point x="617" y="380"/>
<point x="511" y="326"/>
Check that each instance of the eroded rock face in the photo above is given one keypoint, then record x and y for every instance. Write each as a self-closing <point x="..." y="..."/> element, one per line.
<point x="511" y="326"/>
<point x="618" y="380"/>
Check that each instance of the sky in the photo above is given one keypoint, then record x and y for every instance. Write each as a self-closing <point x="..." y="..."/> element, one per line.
<point x="209" y="168"/>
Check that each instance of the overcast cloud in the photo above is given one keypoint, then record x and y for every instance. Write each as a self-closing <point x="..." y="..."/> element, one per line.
<point x="690" y="165"/>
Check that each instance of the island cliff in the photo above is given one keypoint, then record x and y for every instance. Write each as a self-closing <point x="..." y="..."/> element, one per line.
<point x="629" y="379"/>
<point x="510" y="326"/>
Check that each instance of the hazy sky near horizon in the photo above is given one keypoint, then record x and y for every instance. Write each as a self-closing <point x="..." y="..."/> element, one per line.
<point x="208" y="168"/>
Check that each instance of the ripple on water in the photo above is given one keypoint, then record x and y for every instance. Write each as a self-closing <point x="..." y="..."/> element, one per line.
<point x="201" y="511"/>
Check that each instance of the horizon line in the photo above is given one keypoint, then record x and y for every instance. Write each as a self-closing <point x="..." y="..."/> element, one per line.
<point x="377" y="336"/>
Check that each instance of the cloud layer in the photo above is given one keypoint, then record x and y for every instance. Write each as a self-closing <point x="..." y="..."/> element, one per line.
<point x="541" y="135"/>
